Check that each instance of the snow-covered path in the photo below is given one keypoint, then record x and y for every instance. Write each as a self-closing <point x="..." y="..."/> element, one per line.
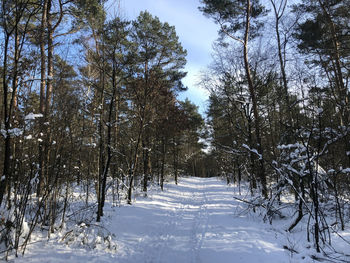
<point x="193" y="222"/>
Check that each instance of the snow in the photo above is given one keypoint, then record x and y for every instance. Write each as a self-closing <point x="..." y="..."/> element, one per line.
<point x="3" y="133"/>
<point x="195" y="221"/>
<point x="346" y="170"/>
<point x="93" y="145"/>
<point x="12" y="132"/>
<point x="253" y="151"/>
<point x="29" y="137"/>
<point x="319" y="110"/>
<point x="32" y="116"/>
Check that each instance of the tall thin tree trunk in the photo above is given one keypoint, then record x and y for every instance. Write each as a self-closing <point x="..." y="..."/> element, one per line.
<point x="261" y="170"/>
<point x="6" y="174"/>
<point x="175" y="160"/>
<point x="101" y="152"/>
<point x="146" y="167"/>
<point x="278" y="14"/>
<point x="42" y="95"/>
<point x="133" y="167"/>
<point x="109" y="153"/>
<point x="162" y="165"/>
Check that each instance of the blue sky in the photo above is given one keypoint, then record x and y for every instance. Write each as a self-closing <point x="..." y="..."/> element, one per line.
<point x="195" y="31"/>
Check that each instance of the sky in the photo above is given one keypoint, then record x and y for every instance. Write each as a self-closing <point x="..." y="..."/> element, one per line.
<point x="196" y="34"/>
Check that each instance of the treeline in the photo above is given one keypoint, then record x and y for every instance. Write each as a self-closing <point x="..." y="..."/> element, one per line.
<point x="279" y="104"/>
<point x="86" y="99"/>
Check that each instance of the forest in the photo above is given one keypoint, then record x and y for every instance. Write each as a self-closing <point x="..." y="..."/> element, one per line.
<point x="89" y="103"/>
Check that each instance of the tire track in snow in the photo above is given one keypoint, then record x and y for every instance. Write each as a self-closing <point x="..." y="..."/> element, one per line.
<point x="164" y="238"/>
<point x="200" y="225"/>
<point x="188" y="215"/>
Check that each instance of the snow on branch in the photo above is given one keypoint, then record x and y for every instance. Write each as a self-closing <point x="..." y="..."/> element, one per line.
<point x="253" y="151"/>
<point x="32" y="116"/>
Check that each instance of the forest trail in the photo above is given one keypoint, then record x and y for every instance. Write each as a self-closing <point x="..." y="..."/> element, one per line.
<point x="196" y="221"/>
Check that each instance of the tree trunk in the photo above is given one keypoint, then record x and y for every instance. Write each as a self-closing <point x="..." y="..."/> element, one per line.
<point x="145" y="166"/>
<point x="251" y="157"/>
<point x="283" y="67"/>
<point x="261" y="171"/>
<point x="175" y="161"/>
<point x="6" y="174"/>
<point x="42" y="96"/>
<point x="109" y="154"/>
<point x="134" y="162"/>
<point x="162" y="165"/>
<point x="101" y="152"/>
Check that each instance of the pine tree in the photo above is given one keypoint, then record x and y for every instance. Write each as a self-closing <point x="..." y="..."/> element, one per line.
<point x="158" y="60"/>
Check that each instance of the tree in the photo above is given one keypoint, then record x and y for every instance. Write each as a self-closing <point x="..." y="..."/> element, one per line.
<point x="239" y="21"/>
<point x="324" y="36"/>
<point x="279" y="10"/>
<point x="158" y="60"/>
<point x="15" y="18"/>
<point x="116" y="43"/>
<point x="192" y="147"/>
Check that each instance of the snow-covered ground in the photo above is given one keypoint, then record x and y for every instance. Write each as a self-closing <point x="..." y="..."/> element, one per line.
<point x="195" y="221"/>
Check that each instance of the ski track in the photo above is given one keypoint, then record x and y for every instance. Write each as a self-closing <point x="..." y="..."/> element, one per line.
<point x="193" y="222"/>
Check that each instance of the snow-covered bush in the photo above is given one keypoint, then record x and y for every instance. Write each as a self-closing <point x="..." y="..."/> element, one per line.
<point x="90" y="236"/>
<point x="14" y="231"/>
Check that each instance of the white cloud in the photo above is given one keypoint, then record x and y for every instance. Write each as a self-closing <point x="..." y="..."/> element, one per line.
<point x="195" y="92"/>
